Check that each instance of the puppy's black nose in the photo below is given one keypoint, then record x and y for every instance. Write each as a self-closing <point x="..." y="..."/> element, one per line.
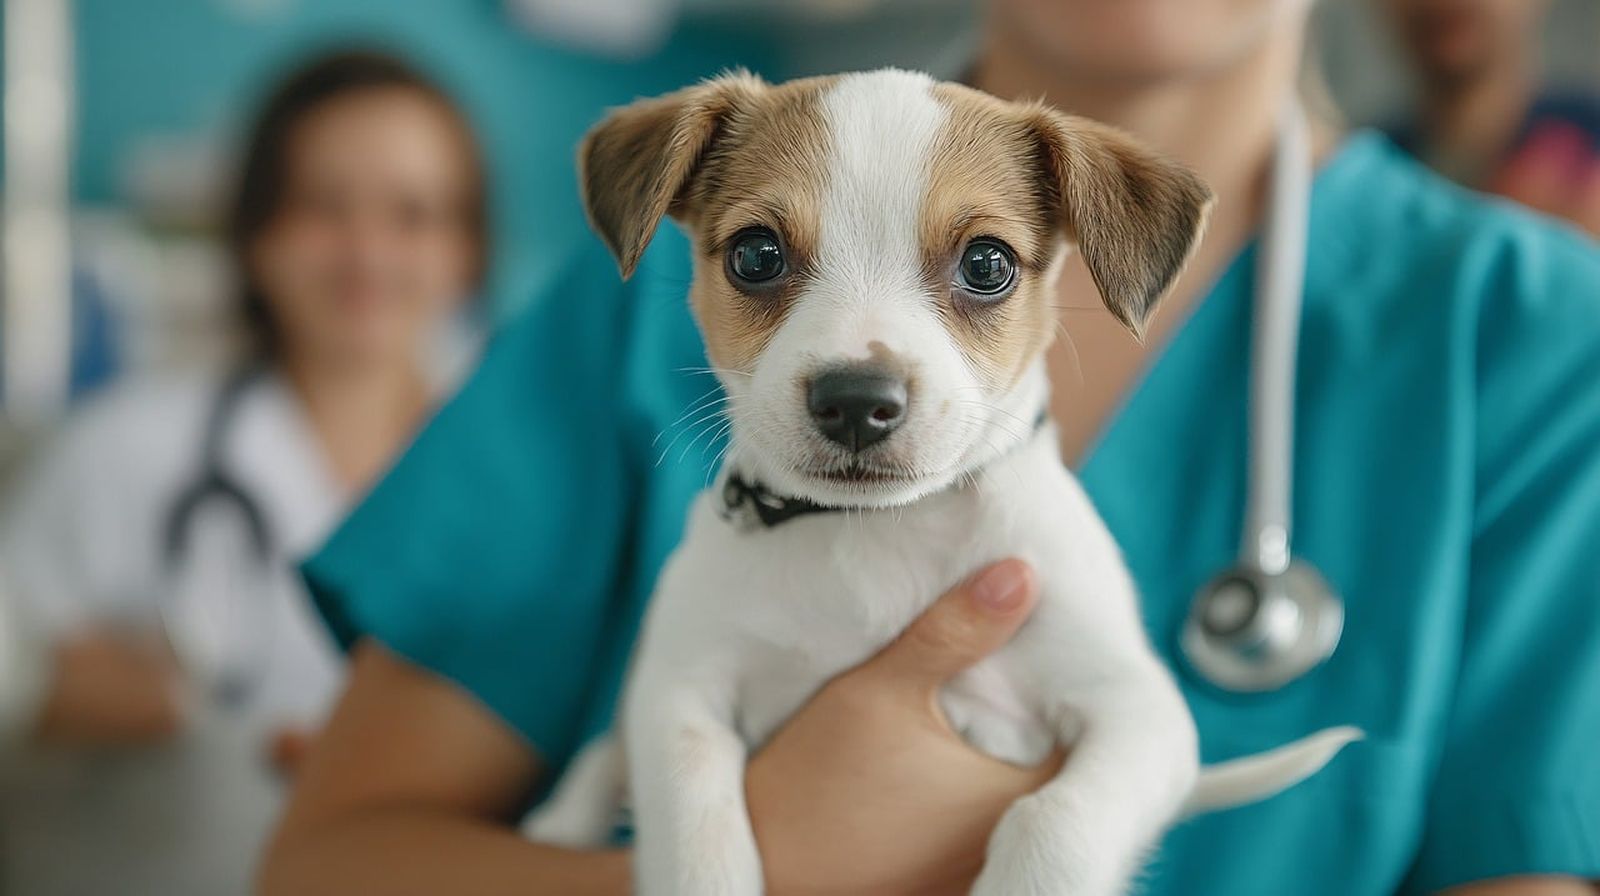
<point x="858" y="405"/>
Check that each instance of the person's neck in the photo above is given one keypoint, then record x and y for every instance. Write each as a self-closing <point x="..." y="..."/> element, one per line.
<point x="1221" y="123"/>
<point x="1467" y="123"/>
<point x="362" y="413"/>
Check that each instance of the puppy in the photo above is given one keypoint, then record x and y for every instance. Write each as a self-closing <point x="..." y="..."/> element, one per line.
<point x="874" y="258"/>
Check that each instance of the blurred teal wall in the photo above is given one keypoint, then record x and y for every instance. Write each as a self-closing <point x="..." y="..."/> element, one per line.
<point x="189" y="65"/>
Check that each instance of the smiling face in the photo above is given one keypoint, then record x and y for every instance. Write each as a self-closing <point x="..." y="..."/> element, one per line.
<point x="371" y="240"/>
<point x="875" y="257"/>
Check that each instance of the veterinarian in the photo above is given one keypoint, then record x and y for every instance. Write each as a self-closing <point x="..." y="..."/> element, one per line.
<point x="178" y="665"/>
<point x="1447" y="484"/>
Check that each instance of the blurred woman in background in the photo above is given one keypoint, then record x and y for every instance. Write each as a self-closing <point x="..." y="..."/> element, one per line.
<point x="151" y="547"/>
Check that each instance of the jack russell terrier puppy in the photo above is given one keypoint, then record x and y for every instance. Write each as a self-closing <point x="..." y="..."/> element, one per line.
<point x="875" y="258"/>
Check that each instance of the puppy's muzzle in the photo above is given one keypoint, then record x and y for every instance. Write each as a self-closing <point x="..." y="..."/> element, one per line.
<point x="857" y="405"/>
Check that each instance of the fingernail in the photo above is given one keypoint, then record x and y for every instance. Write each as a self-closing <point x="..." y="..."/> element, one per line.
<point x="1002" y="587"/>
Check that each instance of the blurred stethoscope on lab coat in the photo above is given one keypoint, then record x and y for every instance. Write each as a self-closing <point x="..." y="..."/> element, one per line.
<point x="1271" y="618"/>
<point x="215" y="624"/>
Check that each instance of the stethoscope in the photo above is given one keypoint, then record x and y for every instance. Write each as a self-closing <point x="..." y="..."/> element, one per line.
<point x="229" y="675"/>
<point x="1271" y="618"/>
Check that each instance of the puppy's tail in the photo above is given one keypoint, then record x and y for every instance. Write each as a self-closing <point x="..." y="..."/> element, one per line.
<point x="1251" y="778"/>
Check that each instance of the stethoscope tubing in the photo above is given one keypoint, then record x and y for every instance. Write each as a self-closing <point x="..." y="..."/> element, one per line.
<point x="1271" y="618"/>
<point x="215" y="484"/>
<point x="1275" y="342"/>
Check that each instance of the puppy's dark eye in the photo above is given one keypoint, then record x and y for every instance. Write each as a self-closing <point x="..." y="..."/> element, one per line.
<point x="987" y="268"/>
<point x="755" y="257"/>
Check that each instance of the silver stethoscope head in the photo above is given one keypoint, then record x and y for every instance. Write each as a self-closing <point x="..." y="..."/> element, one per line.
<point x="1253" y="631"/>
<point x="1271" y="619"/>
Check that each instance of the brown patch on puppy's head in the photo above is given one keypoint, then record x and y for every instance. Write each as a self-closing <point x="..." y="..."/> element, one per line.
<point x="1134" y="214"/>
<point x="634" y="165"/>
<point x="984" y="181"/>
<point x="1035" y="178"/>
<point x="722" y="157"/>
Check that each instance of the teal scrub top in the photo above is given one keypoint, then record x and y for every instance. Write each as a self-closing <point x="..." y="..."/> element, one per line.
<point x="1447" y="481"/>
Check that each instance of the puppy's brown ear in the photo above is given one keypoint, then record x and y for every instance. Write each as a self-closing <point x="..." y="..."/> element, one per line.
<point x="634" y="165"/>
<point x="1134" y="215"/>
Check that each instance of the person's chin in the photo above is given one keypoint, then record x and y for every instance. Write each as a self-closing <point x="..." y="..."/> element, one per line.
<point x="370" y="347"/>
<point x="1132" y="64"/>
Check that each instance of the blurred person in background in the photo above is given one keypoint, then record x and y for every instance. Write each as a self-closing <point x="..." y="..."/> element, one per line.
<point x="1447" y="483"/>
<point x="149" y="550"/>
<point x="1485" y="118"/>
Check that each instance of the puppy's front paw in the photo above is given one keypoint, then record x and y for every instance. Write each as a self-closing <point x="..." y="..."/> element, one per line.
<point x="716" y="861"/>
<point x="1033" y="853"/>
<point x="700" y="881"/>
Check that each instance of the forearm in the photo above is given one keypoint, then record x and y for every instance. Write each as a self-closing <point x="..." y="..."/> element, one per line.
<point x="1527" y="886"/>
<point x="400" y="852"/>
<point x="102" y="690"/>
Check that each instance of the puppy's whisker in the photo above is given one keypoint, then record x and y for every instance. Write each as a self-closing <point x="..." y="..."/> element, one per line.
<point x="710" y="394"/>
<point x="717" y="433"/>
<point x="705" y="430"/>
<point x="1013" y="425"/>
<point x="983" y="425"/>
<point x="700" y="404"/>
<point x="995" y="409"/>
<point x="725" y="371"/>
<point x="687" y="428"/>
<point x="704" y="400"/>
<point x="716" y="463"/>
<point x="703" y="420"/>
<point x="973" y="473"/>
<point x="1072" y="346"/>
<point x="721" y="431"/>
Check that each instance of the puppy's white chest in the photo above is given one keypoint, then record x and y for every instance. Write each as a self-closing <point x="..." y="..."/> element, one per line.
<point x="989" y="710"/>
<point x="787" y="608"/>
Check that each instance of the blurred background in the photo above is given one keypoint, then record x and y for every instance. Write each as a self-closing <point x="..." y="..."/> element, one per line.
<point x="144" y="101"/>
<point x="143" y="104"/>
<point x="124" y="123"/>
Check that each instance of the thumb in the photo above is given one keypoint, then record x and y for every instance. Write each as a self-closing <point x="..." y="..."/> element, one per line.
<point x="971" y="621"/>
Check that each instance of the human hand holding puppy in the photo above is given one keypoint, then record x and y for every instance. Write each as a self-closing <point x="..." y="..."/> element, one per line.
<point x="867" y="789"/>
<point x="864" y="790"/>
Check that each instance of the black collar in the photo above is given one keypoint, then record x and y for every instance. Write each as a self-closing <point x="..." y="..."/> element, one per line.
<point x="749" y="504"/>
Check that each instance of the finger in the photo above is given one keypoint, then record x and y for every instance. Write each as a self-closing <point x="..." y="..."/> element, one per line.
<point x="968" y="623"/>
<point x="287" y="749"/>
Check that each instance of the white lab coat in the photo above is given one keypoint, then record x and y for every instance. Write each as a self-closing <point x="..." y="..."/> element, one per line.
<point x="81" y="540"/>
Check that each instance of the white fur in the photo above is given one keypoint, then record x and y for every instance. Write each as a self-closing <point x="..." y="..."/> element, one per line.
<point x="746" y="625"/>
<point x="867" y="290"/>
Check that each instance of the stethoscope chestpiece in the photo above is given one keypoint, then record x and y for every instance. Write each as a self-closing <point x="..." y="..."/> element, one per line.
<point x="1270" y="620"/>
<point x="1252" y="631"/>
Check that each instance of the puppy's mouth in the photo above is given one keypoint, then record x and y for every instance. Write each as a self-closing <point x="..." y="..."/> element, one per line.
<point x="858" y="473"/>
